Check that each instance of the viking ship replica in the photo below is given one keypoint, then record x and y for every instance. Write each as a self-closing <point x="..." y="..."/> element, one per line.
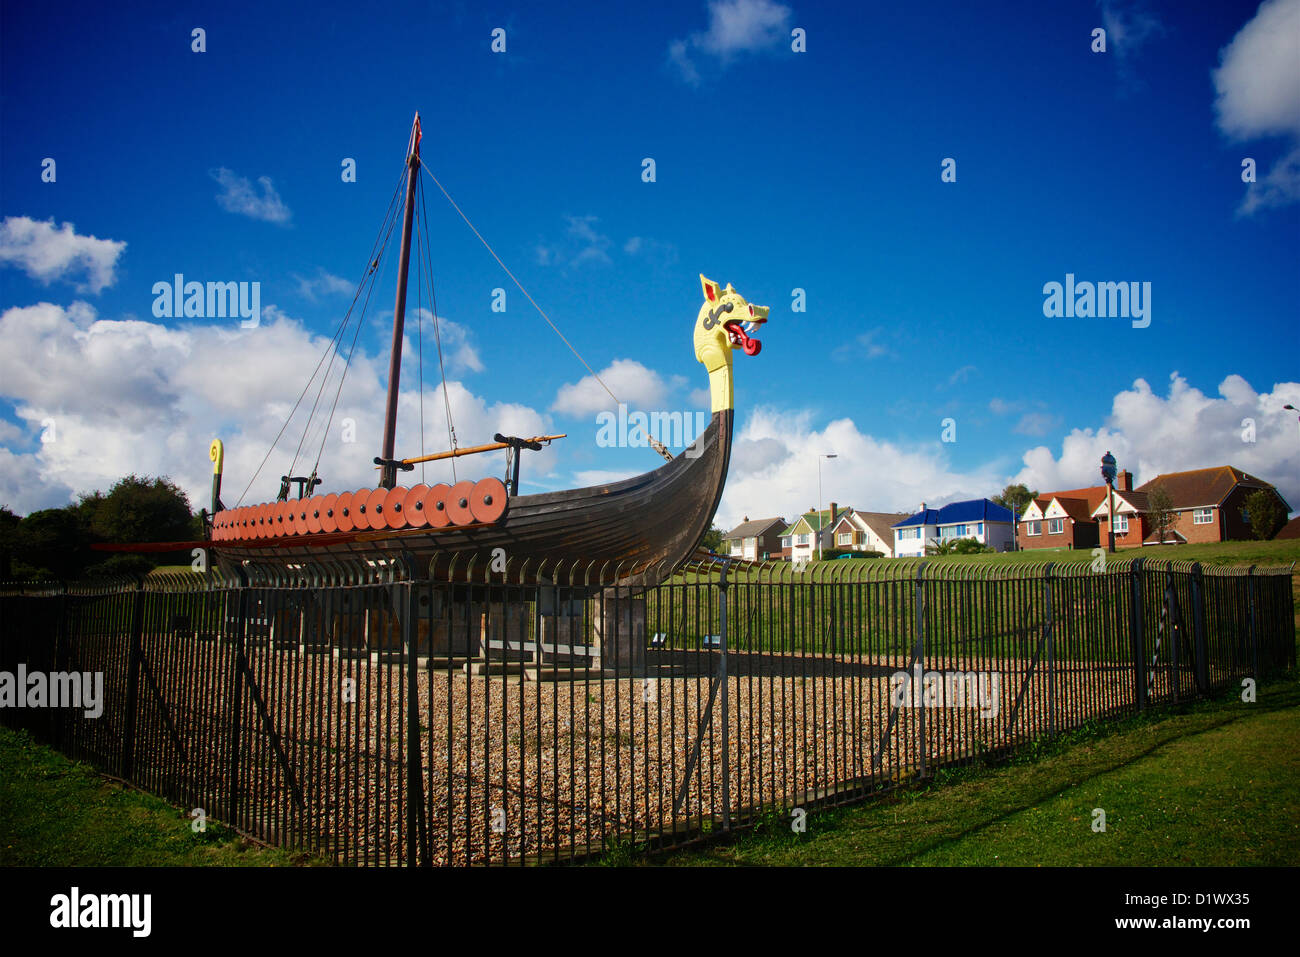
<point x="655" y="519"/>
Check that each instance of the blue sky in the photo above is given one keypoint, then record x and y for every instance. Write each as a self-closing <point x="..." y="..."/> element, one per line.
<point x="775" y="170"/>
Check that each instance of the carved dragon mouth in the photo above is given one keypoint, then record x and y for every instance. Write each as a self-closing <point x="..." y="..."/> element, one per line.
<point x="738" y="334"/>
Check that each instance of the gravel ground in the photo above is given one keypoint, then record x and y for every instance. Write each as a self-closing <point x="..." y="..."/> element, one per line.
<point x="513" y="768"/>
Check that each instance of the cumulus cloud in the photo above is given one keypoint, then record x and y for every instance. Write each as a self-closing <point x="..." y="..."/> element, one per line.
<point x="634" y="384"/>
<point x="238" y="195"/>
<point x="774" y="470"/>
<point x="1184" y="429"/>
<point x="735" y="27"/>
<point x="1258" y="94"/>
<point x="47" y="254"/>
<point x="458" y="348"/>
<point x="132" y="396"/>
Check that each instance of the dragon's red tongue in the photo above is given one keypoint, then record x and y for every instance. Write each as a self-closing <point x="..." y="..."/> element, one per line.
<point x="751" y="345"/>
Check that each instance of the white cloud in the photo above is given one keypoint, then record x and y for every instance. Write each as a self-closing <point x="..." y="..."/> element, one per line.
<point x="590" y="477"/>
<point x="1185" y="429"/>
<point x="1036" y="423"/>
<point x="239" y="196"/>
<point x="652" y="250"/>
<point x="1258" y="87"/>
<point x="457" y="349"/>
<point x="582" y="243"/>
<point x="774" y="470"/>
<point x="133" y="396"/>
<point x="46" y="253"/>
<point x="735" y="27"/>
<point x="633" y="383"/>
<point x="1128" y="27"/>
<point x="324" y="283"/>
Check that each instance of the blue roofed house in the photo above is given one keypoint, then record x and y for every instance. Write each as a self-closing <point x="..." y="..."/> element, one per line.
<point x="980" y="519"/>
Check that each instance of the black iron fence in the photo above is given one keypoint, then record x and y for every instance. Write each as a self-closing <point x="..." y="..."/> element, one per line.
<point x="508" y="714"/>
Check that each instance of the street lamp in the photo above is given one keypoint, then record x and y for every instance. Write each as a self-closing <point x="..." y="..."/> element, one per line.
<point x="1108" y="473"/>
<point x="817" y="533"/>
<point x="1292" y="408"/>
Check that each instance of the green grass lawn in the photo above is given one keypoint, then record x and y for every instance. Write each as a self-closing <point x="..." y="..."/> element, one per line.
<point x="1215" y="784"/>
<point x="55" y="812"/>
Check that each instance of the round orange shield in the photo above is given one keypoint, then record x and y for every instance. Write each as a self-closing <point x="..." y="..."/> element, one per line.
<point x="301" y="512"/>
<point x="314" y="514"/>
<point x="458" y="503"/>
<point x="256" y="527"/>
<point x="395" y="507"/>
<point x="435" y="506"/>
<point x="413" y="507"/>
<point x="488" y="500"/>
<point x="361" y="510"/>
<point x="246" y="527"/>
<point x="281" y="515"/>
<point x="268" y="520"/>
<point x="273" y="522"/>
<point x="328" y="513"/>
<point x="345" y="518"/>
<point x="375" y="509"/>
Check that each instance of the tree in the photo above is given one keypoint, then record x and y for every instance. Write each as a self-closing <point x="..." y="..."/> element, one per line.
<point x="712" y="539"/>
<point x="140" y="510"/>
<point x="52" y="543"/>
<point x="9" y="523"/>
<point x="1264" y="512"/>
<point x="1160" y="512"/>
<point x="1015" y="497"/>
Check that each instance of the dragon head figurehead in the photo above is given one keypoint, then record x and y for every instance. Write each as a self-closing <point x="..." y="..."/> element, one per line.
<point x="725" y="322"/>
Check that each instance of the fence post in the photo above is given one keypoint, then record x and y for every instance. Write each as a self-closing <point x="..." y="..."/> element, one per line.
<point x="722" y="671"/>
<point x="919" y="651"/>
<point x="1198" y="624"/>
<point x="237" y="710"/>
<point x="1254" y="628"/>
<point x="135" y="650"/>
<point x="1051" y="649"/>
<point x="416" y="854"/>
<point x="1136" y="620"/>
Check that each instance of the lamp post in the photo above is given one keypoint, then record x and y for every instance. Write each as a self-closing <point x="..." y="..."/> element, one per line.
<point x="1293" y="409"/>
<point x="1108" y="472"/>
<point x="817" y="533"/>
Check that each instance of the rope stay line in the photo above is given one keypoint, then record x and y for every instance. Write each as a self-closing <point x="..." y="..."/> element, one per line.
<point x="330" y="350"/>
<point x="427" y="264"/>
<point x="655" y="443"/>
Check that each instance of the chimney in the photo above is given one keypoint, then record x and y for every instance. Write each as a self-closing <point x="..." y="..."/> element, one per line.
<point x="745" y="519"/>
<point x="833" y="506"/>
<point x="1124" y="481"/>
<point x="923" y="506"/>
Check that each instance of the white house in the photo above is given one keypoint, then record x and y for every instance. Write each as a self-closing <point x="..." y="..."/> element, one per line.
<point x="980" y="519"/>
<point x="865" y="531"/>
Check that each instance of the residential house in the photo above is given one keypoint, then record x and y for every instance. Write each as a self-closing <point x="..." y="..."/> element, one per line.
<point x="755" y="540"/>
<point x="980" y="519"/>
<point x="1210" y="504"/>
<point x="1065" y="519"/>
<point x="809" y="532"/>
<point x="865" y="531"/>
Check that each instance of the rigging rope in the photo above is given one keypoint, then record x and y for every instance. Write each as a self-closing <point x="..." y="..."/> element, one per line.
<point x="437" y="331"/>
<point x="330" y="349"/>
<point x="657" y="445"/>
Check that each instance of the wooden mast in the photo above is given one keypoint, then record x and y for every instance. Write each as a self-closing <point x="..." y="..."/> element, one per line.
<point x="388" y="466"/>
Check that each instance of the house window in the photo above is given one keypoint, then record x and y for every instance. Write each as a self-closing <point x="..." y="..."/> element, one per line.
<point x="979" y="528"/>
<point x="1055" y="526"/>
<point x="844" y="538"/>
<point x="735" y="548"/>
<point x="785" y="541"/>
<point x="1121" y="524"/>
<point x="1033" y="528"/>
<point x="904" y="533"/>
<point x="1202" y="516"/>
<point x="801" y="539"/>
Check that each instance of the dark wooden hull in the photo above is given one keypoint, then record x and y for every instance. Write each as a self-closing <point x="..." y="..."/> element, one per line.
<point x="638" y="528"/>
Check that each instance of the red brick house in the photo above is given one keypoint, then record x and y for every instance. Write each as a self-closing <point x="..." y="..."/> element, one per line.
<point x="1063" y="519"/>
<point x="1131" y="525"/>
<point x="1210" y="503"/>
